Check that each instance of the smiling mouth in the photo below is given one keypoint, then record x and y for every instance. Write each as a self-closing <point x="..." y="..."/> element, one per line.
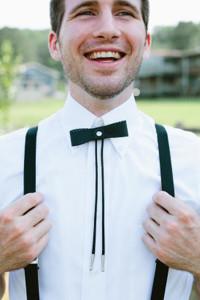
<point x="105" y="56"/>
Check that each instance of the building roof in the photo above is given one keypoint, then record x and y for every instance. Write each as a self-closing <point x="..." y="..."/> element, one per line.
<point x="41" y="68"/>
<point x="175" y="53"/>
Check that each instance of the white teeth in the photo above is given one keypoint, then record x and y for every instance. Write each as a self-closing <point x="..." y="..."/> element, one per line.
<point x="105" y="54"/>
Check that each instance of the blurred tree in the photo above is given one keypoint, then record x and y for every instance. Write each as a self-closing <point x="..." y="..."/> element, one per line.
<point x="8" y="64"/>
<point x="31" y="45"/>
<point x="184" y="36"/>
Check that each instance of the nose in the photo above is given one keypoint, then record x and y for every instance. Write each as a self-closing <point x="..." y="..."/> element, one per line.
<point x="106" y="27"/>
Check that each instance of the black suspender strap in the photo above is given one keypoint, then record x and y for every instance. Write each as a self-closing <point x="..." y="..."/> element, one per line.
<point x="167" y="181"/>
<point x="31" y="271"/>
<point x="167" y="184"/>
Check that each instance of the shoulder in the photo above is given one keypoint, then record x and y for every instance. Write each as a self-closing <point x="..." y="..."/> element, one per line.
<point x="12" y="155"/>
<point x="184" y="148"/>
<point x="12" y="145"/>
<point x="182" y="141"/>
<point x="179" y="140"/>
<point x="185" y="155"/>
<point x="11" y="165"/>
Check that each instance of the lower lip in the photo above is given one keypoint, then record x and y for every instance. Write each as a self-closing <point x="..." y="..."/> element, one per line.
<point x="106" y="65"/>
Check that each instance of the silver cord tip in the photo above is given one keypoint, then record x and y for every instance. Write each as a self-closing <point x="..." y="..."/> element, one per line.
<point x="103" y="263"/>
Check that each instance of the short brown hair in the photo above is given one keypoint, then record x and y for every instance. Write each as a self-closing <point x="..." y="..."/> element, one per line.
<point x="57" y="11"/>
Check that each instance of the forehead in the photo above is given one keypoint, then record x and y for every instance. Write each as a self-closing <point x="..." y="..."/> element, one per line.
<point x="70" y="4"/>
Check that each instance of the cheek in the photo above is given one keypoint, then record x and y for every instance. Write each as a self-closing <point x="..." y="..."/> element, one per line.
<point x="76" y="37"/>
<point x="136" y="36"/>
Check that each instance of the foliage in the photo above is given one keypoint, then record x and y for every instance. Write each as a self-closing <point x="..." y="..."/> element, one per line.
<point x="8" y="63"/>
<point x="31" y="45"/>
<point x="186" y="35"/>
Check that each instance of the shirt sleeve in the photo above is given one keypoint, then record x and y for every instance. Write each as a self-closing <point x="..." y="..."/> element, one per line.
<point x="185" y="155"/>
<point x="11" y="167"/>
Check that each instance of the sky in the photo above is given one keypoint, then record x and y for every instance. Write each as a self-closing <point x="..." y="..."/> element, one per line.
<point x="34" y="14"/>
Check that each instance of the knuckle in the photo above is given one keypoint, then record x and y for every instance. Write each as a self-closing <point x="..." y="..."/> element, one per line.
<point x="160" y="195"/>
<point x="33" y="198"/>
<point x="38" y="197"/>
<point x="171" y="227"/>
<point x="27" y="242"/>
<point x="46" y="227"/>
<point x="6" y="217"/>
<point x="31" y="254"/>
<point x="186" y="217"/>
<point x="42" y="212"/>
<point x="18" y="230"/>
<point x="164" y="241"/>
<point x="160" y="253"/>
<point x="45" y="210"/>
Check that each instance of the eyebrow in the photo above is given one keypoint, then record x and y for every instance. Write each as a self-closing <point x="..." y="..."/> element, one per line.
<point x="126" y="3"/>
<point x="92" y="3"/>
<point x="83" y="4"/>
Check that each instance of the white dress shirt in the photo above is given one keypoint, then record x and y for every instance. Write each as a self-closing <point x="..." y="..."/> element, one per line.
<point x="66" y="178"/>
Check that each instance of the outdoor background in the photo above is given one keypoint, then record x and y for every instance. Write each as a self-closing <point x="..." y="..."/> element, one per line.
<point x="32" y="86"/>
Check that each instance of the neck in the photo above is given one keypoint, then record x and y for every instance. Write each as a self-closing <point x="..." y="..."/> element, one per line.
<point x="97" y="106"/>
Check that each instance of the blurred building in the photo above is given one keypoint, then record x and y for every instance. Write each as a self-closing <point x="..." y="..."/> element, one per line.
<point x="35" y="82"/>
<point x="170" y="73"/>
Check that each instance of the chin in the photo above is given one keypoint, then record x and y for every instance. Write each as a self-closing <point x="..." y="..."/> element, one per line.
<point x="104" y="92"/>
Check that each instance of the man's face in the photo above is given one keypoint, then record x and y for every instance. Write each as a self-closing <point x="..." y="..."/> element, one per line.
<point x="102" y="44"/>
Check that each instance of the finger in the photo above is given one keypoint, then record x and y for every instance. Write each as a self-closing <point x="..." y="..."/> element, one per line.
<point x="170" y="204"/>
<point x="25" y="203"/>
<point x="35" y="215"/>
<point x="173" y="206"/>
<point x="42" y="244"/>
<point x="157" y="213"/>
<point x="29" y="243"/>
<point x="41" y="230"/>
<point x="37" y="249"/>
<point x="149" y="242"/>
<point x="151" y="228"/>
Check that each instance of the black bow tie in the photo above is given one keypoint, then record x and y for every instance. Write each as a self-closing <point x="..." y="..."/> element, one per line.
<point x="84" y="135"/>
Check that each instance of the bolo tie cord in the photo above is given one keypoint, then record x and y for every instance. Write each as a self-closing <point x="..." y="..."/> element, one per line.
<point x="84" y="135"/>
<point x="103" y="207"/>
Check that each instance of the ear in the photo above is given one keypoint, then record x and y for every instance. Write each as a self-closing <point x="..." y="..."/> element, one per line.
<point x="54" y="47"/>
<point x="147" y="46"/>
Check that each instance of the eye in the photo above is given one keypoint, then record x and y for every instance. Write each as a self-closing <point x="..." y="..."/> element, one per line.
<point x="86" y="13"/>
<point x="124" y="13"/>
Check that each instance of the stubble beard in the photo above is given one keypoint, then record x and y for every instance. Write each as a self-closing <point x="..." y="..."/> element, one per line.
<point x="97" y="89"/>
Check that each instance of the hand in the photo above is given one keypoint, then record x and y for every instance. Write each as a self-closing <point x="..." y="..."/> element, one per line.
<point x="172" y="233"/>
<point x="24" y="231"/>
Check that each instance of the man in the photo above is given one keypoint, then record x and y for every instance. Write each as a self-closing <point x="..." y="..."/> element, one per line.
<point x="106" y="230"/>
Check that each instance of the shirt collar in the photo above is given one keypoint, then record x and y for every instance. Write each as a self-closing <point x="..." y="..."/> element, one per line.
<point x="76" y="116"/>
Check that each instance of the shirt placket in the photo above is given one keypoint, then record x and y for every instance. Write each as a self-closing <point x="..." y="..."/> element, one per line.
<point x="93" y="286"/>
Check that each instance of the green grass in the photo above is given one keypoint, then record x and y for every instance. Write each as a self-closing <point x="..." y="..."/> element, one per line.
<point x="172" y="111"/>
<point x="163" y="110"/>
<point x="29" y="113"/>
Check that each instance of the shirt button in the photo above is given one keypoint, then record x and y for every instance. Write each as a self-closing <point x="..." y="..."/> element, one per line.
<point x="99" y="133"/>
